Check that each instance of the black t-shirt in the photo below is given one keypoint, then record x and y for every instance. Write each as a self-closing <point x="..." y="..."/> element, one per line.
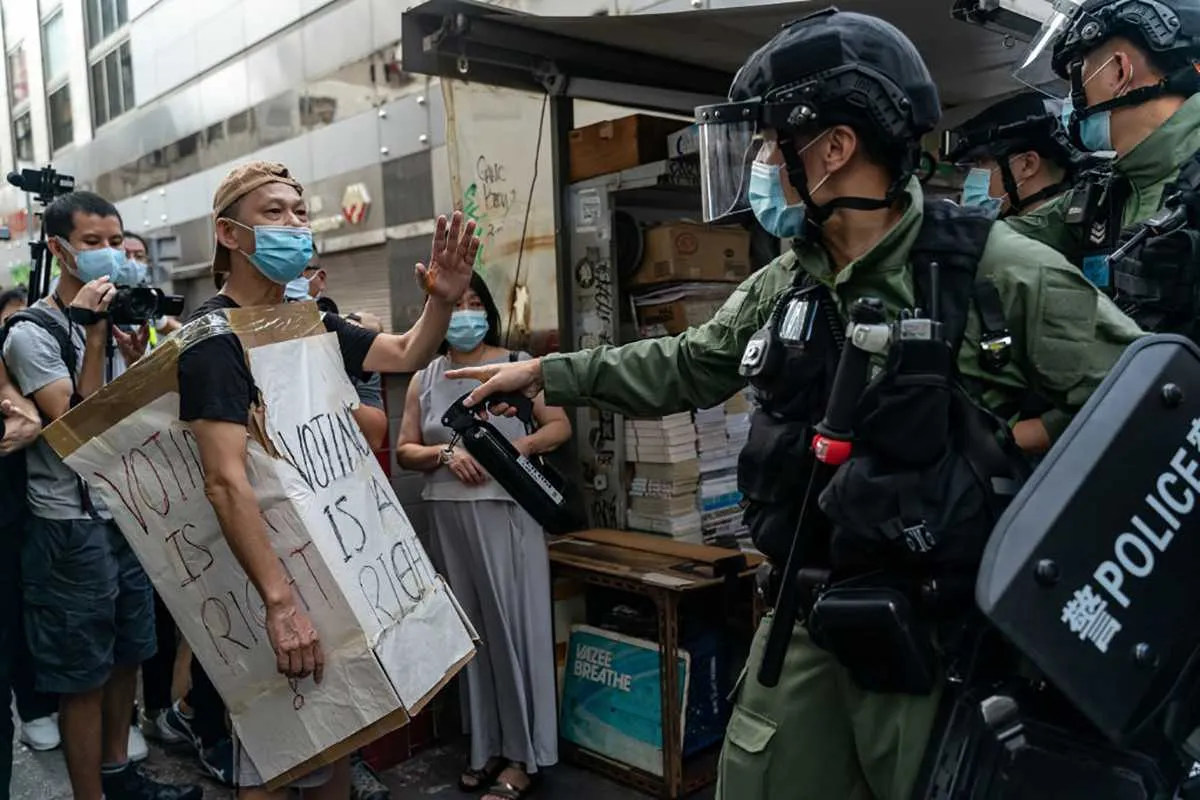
<point x="215" y="382"/>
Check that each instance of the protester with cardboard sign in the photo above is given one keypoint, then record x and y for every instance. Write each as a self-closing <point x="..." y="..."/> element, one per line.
<point x="263" y="242"/>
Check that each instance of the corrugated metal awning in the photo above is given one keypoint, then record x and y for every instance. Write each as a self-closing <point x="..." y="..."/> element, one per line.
<point x="680" y="58"/>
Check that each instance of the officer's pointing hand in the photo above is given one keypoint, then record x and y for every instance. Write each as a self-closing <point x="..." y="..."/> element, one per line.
<point x="521" y="377"/>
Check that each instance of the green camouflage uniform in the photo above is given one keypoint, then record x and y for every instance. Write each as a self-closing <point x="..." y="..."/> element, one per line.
<point x="816" y="735"/>
<point x="1149" y="167"/>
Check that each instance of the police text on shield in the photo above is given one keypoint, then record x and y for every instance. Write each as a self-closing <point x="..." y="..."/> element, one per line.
<point x="1135" y="551"/>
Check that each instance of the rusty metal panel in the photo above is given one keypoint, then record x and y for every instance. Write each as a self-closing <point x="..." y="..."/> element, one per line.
<point x="500" y="151"/>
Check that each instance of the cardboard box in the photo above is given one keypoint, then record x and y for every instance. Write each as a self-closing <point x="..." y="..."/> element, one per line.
<point x="391" y="631"/>
<point x="614" y="145"/>
<point x="685" y="251"/>
<point x="673" y="317"/>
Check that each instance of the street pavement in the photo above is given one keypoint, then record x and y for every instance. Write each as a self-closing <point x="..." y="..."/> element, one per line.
<point x="430" y="775"/>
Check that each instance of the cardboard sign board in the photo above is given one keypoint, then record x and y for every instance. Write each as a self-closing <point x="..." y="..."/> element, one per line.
<point x="391" y="631"/>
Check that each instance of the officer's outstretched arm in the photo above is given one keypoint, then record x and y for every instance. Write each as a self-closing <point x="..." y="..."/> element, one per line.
<point x="652" y="377"/>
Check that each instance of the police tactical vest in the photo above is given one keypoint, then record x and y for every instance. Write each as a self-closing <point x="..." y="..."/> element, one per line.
<point x="775" y="464"/>
<point x="1156" y="283"/>
<point x="1097" y="206"/>
<point x="931" y="470"/>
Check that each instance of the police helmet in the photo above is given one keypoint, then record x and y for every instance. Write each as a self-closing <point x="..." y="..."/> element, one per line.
<point x="828" y="68"/>
<point x="1030" y="121"/>
<point x="1168" y="31"/>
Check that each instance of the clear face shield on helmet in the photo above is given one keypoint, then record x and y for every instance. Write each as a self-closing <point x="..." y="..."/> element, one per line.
<point x="1035" y="66"/>
<point x="730" y="138"/>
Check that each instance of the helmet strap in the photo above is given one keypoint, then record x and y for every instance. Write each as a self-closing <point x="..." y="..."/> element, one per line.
<point x="1183" y="81"/>
<point x="1009" y="182"/>
<point x="816" y="214"/>
<point x="1017" y="203"/>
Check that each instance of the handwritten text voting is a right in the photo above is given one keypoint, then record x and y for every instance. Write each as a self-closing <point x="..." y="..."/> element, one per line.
<point x="349" y="551"/>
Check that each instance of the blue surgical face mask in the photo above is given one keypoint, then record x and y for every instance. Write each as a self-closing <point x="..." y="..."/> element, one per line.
<point x="467" y="329"/>
<point x="92" y="264"/>
<point x="976" y="190"/>
<point x="297" y="289"/>
<point x="281" y="252"/>
<point x="131" y="273"/>
<point x="770" y="204"/>
<point x="1095" y="130"/>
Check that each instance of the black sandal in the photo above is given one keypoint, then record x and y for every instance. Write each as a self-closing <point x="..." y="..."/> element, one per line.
<point x="509" y="792"/>
<point x="483" y="777"/>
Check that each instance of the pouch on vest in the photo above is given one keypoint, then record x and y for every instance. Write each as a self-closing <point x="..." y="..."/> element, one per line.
<point x="905" y="411"/>
<point x="931" y="470"/>
<point x="928" y="520"/>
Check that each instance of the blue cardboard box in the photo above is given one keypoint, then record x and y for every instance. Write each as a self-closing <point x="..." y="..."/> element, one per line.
<point x="612" y="699"/>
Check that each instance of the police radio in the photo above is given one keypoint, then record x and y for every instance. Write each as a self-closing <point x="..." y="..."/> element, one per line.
<point x="789" y="328"/>
<point x="534" y="485"/>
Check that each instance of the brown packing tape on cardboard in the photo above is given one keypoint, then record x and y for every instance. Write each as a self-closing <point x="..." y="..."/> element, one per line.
<point x="157" y="373"/>
<point x="149" y="382"/>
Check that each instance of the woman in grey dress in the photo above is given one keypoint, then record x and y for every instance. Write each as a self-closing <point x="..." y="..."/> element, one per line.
<point x="494" y="555"/>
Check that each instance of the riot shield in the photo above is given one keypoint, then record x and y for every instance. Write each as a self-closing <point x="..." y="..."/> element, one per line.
<point x="1091" y="571"/>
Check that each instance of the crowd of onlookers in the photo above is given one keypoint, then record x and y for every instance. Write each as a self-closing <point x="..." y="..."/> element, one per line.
<point x="179" y="709"/>
<point x="88" y="650"/>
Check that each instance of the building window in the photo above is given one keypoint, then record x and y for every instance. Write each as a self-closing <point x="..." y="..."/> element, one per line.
<point x="17" y="15"/>
<point x="62" y="131"/>
<point x="112" y="85"/>
<point x="23" y="137"/>
<point x="18" y="76"/>
<point x="54" y="48"/>
<point x="104" y="18"/>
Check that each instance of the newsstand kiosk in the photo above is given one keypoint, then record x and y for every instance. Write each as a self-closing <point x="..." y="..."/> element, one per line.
<point x="631" y="257"/>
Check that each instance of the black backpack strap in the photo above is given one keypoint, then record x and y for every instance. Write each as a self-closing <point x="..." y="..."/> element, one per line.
<point x="62" y="335"/>
<point x="47" y="322"/>
<point x="953" y="238"/>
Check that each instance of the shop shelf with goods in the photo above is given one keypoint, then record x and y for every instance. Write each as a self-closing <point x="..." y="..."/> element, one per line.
<point x="665" y="470"/>
<point x="645" y="265"/>
<point x="721" y="434"/>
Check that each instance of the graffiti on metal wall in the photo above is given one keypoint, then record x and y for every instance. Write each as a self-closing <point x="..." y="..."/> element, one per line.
<point x="487" y="202"/>
<point x="501" y="171"/>
<point x="595" y="323"/>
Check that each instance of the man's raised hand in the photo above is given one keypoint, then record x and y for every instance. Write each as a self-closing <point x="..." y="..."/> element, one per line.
<point x="451" y="260"/>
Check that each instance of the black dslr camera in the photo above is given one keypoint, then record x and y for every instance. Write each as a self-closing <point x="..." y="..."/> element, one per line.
<point x="134" y="305"/>
<point x="44" y="184"/>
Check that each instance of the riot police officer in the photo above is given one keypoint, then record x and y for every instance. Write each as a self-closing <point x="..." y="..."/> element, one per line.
<point x="1132" y="85"/>
<point x="1017" y="154"/>
<point x="820" y="138"/>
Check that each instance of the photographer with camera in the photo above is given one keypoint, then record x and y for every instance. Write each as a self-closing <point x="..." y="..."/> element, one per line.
<point x="88" y="605"/>
<point x="139" y="257"/>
